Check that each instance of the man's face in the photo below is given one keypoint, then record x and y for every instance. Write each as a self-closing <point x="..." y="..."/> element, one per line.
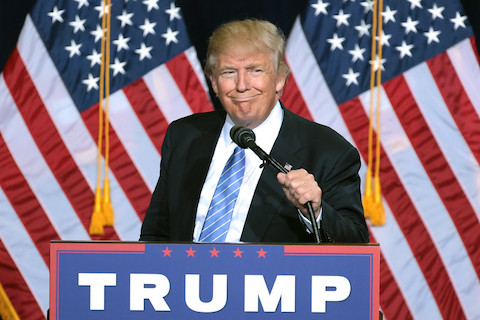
<point x="247" y="85"/>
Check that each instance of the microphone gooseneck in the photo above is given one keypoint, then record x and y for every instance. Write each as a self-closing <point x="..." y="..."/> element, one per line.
<point x="245" y="138"/>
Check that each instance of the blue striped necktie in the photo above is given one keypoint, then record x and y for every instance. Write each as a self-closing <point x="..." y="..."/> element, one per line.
<point x="219" y="213"/>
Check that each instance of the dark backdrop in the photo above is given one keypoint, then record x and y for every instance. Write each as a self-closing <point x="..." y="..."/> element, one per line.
<point x="201" y="17"/>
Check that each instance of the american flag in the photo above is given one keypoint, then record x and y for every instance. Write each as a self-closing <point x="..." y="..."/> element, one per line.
<point x="49" y="93"/>
<point x="430" y="110"/>
<point x="430" y="138"/>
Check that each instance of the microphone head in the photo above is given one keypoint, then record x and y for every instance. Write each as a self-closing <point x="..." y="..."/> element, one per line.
<point x="242" y="136"/>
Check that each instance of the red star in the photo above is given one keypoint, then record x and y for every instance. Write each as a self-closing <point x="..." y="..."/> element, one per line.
<point x="214" y="252"/>
<point x="238" y="253"/>
<point x="261" y="253"/>
<point x="167" y="252"/>
<point x="191" y="252"/>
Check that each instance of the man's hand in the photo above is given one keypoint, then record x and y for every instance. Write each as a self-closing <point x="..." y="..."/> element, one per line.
<point x="300" y="187"/>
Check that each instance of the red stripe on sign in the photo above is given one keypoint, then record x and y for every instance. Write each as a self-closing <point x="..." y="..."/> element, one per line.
<point x="436" y="166"/>
<point x="189" y="84"/>
<point x="148" y="112"/>
<point x="17" y="289"/>
<point x="392" y="301"/>
<point x="49" y="141"/>
<point x="406" y="216"/>
<point x="293" y="99"/>
<point x="25" y="204"/>
<point x="457" y="101"/>
<point x="121" y="165"/>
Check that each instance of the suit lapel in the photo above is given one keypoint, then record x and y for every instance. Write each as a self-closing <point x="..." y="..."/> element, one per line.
<point x="269" y="197"/>
<point x="197" y="164"/>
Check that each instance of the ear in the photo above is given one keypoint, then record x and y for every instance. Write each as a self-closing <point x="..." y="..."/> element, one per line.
<point x="213" y="81"/>
<point x="281" y="80"/>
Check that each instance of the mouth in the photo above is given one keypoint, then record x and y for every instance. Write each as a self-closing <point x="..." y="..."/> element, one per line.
<point x="243" y="98"/>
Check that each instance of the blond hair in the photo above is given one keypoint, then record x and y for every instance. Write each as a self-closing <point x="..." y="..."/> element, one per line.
<point x="260" y="34"/>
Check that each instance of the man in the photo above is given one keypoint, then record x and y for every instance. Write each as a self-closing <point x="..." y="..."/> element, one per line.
<point x="247" y="70"/>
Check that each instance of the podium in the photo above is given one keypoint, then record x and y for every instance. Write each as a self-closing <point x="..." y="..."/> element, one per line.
<point x="145" y="280"/>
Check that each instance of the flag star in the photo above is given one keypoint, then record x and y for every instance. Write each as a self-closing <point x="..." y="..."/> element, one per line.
<point x="148" y="27"/>
<point x="144" y="52"/>
<point x="342" y="18"/>
<point x="125" y="18"/>
<point x="78" y="24"/>
<point x="385" y="39"/>
<point x="91" y="82"/>
<point x="432" y="35"/>
<point x="357" y="53"/>
<point x="170" y="36"/>
<point x="377" y="62"/>
<point x="320" y="7"/>
<point x="98" y="33"/>
<point x="121" y="42"/>
<point x="151" y="4"/>
<point x="173" y="12"/>
<point x="405" y="49"/>
<point x="95" y="58"/>
<point x="436" y="11"/>
<point x="410" y="25"/>
<point x="368" y="4"/>
<point x="73" y="48"/>
<point x="82" y="3"/>
<point x="102" y="9"/>
<point x="458" y="21"/>
<point x="389" y="15"/>
<point x="56" y="14"/>
<point x="351" y="77"/>
<point x="415" y="3"/>
<point x="117" y="67"/>
<point x="363" y="29"/>
<point x="336" y="42"/>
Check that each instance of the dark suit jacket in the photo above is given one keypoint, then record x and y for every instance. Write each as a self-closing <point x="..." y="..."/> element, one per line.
<point x="186" y="154"/>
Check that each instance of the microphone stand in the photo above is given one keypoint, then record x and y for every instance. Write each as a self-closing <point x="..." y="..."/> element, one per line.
<point x="267" y="159"/>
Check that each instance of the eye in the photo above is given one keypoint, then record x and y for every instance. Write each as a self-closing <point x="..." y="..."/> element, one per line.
<point x="228" y="74"/>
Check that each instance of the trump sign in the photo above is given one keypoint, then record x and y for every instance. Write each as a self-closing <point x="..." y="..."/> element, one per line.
<point x="126" y="280"/>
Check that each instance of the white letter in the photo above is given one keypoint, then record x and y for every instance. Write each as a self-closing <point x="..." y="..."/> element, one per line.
<point x="320" y="294"/>
<point x="192" y="293"/>
<point x="97" y="283"/>
<point x="256" y="289"/>
<point x="156" y="294"/>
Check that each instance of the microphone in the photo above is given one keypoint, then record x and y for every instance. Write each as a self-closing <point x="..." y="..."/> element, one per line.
<point x="245" y="138"/>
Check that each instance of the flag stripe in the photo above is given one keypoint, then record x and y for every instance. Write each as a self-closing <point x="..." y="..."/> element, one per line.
<point x="457" y="101"/>
<point x="33" y="167"/>
<point x="28" y="260"/>
<point x="121" y="165"/>
<point x="292" y="97"/>
<point x="474" y="48"/>
<point x="407" y="217"/>
<point x="16" y="289"/>
<point x="190" y="87"/>
<point x="166" y="94"/>
<point x="134" y="139"/>
<point x="48" y="140"/>
<point x="147" y="111"/>
<point x="25" y="203"/>
<point x="464" y="60"/>
<point x="436" y="166"/>
<point x="391" y="302"/>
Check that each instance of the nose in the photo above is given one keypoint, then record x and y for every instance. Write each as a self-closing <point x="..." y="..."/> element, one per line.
<point x="242" y="81"/>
